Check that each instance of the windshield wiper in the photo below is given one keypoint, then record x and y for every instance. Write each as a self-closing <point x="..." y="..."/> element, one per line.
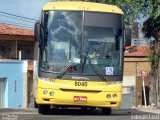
<point x="95" y="69"/>
<point x="92" y="65"/>
<point x="65" y="69"/>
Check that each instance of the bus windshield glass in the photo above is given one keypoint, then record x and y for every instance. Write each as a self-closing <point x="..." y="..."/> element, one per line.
<point x="82" y="40"/>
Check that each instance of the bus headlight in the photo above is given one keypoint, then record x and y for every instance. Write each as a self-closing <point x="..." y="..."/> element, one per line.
<point x="45" y="92"/>
<point x="108" y="96"/>
<point x="51" y="93"/>
<point x="114" y="95"/>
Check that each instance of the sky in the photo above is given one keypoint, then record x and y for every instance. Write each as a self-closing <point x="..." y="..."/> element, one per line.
<point x="24" y="8"/>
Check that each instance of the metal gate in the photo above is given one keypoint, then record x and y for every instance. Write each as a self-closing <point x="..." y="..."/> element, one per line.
<point x="2" y="91"/>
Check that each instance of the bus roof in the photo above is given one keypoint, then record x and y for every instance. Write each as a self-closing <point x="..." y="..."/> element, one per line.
<point x="82" y="6"/>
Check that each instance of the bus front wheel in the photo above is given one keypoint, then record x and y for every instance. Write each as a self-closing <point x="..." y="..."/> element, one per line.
<point x="106" y="111"/>
<point x="43" y="109"/>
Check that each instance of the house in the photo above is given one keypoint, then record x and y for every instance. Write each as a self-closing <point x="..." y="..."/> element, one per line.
<point x="15" y="40"/>
<point x="16" y="50"/>
<point x="13" y="84"/>
<point x="135" y="61"/>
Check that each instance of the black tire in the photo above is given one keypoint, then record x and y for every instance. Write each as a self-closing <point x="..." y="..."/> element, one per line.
<point x="43" y="109"/>
<point x="106" y="111"/>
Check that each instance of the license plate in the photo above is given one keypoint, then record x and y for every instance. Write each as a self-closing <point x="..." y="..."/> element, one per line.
<point x="80" y="98"/>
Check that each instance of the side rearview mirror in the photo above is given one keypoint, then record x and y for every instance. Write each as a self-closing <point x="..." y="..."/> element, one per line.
<point x="127" y="37"/>
<point x="37" y="29"/>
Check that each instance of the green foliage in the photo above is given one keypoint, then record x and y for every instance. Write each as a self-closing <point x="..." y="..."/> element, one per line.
<point x="151" y="58"/>
<point x="155" y="7"/>
<point x="154" y="60"/>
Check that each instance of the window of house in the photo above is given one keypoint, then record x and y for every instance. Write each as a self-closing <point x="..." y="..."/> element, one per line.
<point x="5" y="49"/>
<point x="26" y="49"/>
<point x="9" y="49"/>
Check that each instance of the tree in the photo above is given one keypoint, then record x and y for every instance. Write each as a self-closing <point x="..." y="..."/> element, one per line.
<point x="151" y="28"/>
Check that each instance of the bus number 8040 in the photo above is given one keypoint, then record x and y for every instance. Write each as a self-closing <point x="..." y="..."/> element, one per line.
<point x="81" y="83"/>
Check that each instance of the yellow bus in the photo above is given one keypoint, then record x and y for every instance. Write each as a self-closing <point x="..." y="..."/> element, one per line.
<point x="80" y="58"/>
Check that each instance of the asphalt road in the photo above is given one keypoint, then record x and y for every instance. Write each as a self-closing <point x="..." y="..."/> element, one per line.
<point x="75" y="114"/>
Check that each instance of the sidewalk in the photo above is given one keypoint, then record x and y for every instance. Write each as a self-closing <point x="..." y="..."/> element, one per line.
<point x="149" y="109"/>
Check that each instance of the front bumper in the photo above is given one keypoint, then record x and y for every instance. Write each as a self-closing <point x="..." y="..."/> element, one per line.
<point x="67" y="98"/>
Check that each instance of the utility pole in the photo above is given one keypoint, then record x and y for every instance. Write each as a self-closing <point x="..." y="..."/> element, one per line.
<point x="142" y="74"/>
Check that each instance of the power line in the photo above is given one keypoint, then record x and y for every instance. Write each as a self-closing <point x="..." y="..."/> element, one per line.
<point x="17" y="16"/>
<point x="15" y="23"/>
<point x="23" y="26"/>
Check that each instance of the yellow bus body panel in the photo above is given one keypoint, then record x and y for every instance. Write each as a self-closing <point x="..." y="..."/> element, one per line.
<point x="82" y="6"/>
<point x="65" y="91"/>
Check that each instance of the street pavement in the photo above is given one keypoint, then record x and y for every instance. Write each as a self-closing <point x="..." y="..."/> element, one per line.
<point x="77" y="114"/>
<point x="153" y="110"/>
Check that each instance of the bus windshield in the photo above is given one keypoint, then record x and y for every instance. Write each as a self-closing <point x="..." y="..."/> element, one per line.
<point x="74" y="36"/>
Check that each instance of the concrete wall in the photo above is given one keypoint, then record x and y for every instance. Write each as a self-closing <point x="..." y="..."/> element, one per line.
<point x="133" y="66"/>
<point x="15" y="73"/>
<point x="132" y="79"/>
<point x="128" y="99"/>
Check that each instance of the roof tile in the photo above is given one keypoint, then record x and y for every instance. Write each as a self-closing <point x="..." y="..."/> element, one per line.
<point x="137" y="51"/>
<point x="12" y="30"/>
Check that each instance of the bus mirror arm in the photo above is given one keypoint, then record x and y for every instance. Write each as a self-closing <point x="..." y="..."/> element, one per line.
<point x="119" y="32"/>
<point x="117" y="43"/>
<point x="127" y="37"/>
